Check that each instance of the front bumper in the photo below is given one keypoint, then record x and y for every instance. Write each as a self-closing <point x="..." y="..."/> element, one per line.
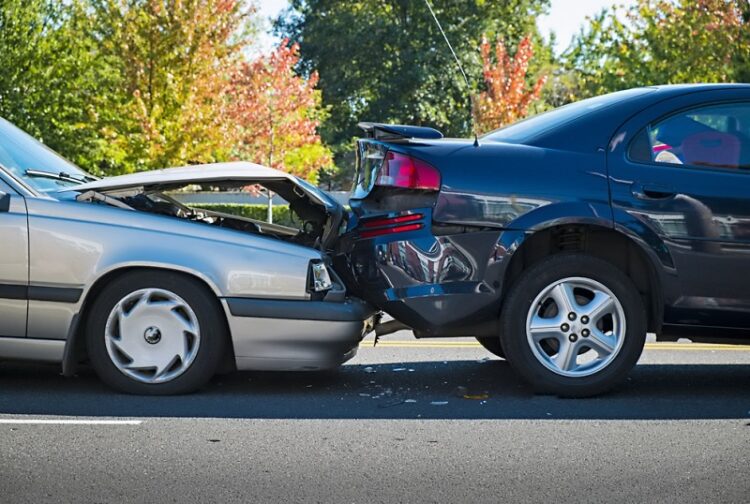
<point x="292" y="335"/>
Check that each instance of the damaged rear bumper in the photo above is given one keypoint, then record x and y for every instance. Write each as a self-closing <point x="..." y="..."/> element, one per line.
<point x="296" y="335"/>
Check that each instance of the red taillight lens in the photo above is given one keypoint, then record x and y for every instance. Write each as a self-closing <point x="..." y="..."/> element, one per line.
<point x="390" y="221"/>
<point x="400" y="170"/>
<point x="391" y="225"/>
<point x="386" y="231"/>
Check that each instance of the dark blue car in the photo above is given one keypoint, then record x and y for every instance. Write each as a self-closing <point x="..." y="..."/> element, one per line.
<point x="560" y="241"/>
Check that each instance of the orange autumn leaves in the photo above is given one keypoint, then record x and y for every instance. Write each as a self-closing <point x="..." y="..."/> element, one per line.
<point x="507" y="95"/>
<point x="276" y="114"/>
<point x="186" y="90"/>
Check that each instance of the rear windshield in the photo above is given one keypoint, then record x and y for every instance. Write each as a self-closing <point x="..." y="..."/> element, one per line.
<point x="528" y="129"/>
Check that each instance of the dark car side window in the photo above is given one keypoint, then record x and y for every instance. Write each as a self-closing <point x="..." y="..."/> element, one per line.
<point x="712" y="136"/>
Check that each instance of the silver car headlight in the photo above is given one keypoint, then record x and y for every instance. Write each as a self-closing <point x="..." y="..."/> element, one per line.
<point x="320" y="278"/>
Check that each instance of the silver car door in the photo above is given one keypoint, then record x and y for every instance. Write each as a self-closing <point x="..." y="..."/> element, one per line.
<point x="14" y="263"/>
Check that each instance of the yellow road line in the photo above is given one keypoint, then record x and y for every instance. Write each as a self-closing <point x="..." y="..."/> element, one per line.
<point x="649" y="346"/>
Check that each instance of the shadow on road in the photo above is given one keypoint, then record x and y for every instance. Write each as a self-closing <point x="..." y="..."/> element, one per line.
<point x="427" y="390"/>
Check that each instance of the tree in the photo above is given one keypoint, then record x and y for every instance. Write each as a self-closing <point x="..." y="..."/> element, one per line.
<point x="173" y="59"/>
<point x="662" y="42"/>
<point x="53" y="83"/>
<point x="386" y="61"/>
<point x="506" y="98"/>
<point x="276" y="114"/>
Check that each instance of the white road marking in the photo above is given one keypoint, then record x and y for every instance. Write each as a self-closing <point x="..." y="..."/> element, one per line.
<point x="65" y="421"/>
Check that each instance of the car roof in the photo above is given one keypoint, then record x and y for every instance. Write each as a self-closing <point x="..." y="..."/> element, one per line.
<point x="598" y="125"/>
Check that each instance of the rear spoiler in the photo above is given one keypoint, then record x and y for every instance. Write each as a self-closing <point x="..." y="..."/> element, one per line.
<point x="396" y="132"/>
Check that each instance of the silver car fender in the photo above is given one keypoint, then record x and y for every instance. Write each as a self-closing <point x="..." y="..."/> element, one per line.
<point x="93" y="241"/>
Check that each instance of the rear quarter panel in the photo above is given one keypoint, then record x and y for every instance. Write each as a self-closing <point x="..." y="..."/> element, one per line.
<point x="522" y="187"/>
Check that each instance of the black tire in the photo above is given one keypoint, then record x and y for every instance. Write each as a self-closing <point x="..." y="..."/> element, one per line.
<point x="213" y="332"/>
<point x="492" y="345"/>
<point x="517" y="306"/>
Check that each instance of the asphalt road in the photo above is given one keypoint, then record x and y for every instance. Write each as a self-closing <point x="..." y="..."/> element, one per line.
<point x="408" y="421"/>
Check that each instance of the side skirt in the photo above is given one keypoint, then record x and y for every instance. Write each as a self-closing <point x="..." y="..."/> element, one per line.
<point x="39" y="350"/>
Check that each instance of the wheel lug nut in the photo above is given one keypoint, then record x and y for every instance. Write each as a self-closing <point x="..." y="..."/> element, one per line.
<point x="573" y="338"/>
<point x="584" y="320"/>
<point x="585" y="333"/>
<point x="571" y="316"/>
<point x="564" y="327"/>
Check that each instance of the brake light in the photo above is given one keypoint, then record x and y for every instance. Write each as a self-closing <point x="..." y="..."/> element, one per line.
<point x="391" y="225"/>
<point x="373" y="223"/>
<point x="392" y="230"/>
<point x="400" y="170"/>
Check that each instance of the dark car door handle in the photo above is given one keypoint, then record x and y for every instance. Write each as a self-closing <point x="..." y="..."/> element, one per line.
<point x="652" y="191"/>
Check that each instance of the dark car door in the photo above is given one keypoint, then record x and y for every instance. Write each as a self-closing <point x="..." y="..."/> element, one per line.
<point x="681" y="170"/>
<point x="14" y="263"/>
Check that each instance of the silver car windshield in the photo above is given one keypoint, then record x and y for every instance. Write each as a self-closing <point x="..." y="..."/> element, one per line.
<point x="34" y="163"/>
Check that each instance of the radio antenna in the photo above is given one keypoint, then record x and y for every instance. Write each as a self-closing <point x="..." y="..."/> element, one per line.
<point x="460" y="67"/>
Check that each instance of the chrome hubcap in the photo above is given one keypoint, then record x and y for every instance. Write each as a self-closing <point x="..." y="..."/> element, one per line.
<point x="152" y="335"/>
<point x="575" y="327"/>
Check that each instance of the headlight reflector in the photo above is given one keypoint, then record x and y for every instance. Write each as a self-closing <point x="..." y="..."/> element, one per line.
<point x="320" y="278"/>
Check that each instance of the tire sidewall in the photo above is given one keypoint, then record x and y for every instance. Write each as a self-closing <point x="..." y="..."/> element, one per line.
<point x="201" y="301"/>
<point x="524" y="292"/>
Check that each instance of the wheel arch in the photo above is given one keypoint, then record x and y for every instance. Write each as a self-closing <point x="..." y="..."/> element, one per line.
<point x="606" y="243"/>
<point x="75" y="344"/>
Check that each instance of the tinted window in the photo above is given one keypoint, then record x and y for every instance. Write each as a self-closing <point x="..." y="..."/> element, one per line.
<point x="20" y="152"/>
<point x="716" y="136"/>
<point x="526" y="130"/>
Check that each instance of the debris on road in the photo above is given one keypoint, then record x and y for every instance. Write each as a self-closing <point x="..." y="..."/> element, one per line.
<point x="439" y="403"/>
<point x="369" y="369"/>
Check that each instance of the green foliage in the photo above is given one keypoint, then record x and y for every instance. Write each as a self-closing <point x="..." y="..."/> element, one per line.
<point x="281" y="213"/>
<point x="53" y="83"/>
<point x="120" y="86"/>
<point x="661" y="42"/>
<point x="172" y="61"/>
<point x="386" y="61"/>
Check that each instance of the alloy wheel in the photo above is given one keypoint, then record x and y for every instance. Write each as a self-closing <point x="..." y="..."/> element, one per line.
<point x="575" y="327"/>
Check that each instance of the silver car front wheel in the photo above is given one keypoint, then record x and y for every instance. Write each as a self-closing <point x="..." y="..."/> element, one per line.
<point x="156" y="333"/>
<point x="152" y="335"/>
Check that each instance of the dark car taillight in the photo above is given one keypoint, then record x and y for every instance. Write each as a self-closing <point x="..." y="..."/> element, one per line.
<point x="406" y="172"/>
<point x="390" y="225"/>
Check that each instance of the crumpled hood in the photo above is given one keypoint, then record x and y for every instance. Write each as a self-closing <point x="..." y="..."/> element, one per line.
<point x="159" y="180"/>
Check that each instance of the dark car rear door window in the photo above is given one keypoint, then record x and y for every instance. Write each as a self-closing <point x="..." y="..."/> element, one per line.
<point x="712" y="136"/>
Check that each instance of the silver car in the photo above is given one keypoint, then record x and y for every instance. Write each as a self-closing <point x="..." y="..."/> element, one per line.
<point x="156" y="295"/>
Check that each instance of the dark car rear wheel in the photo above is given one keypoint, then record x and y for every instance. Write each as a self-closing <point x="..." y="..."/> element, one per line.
<point x="155" y="333"/>
<point x="492" y="345"/>
<point x="573" y="325"/>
